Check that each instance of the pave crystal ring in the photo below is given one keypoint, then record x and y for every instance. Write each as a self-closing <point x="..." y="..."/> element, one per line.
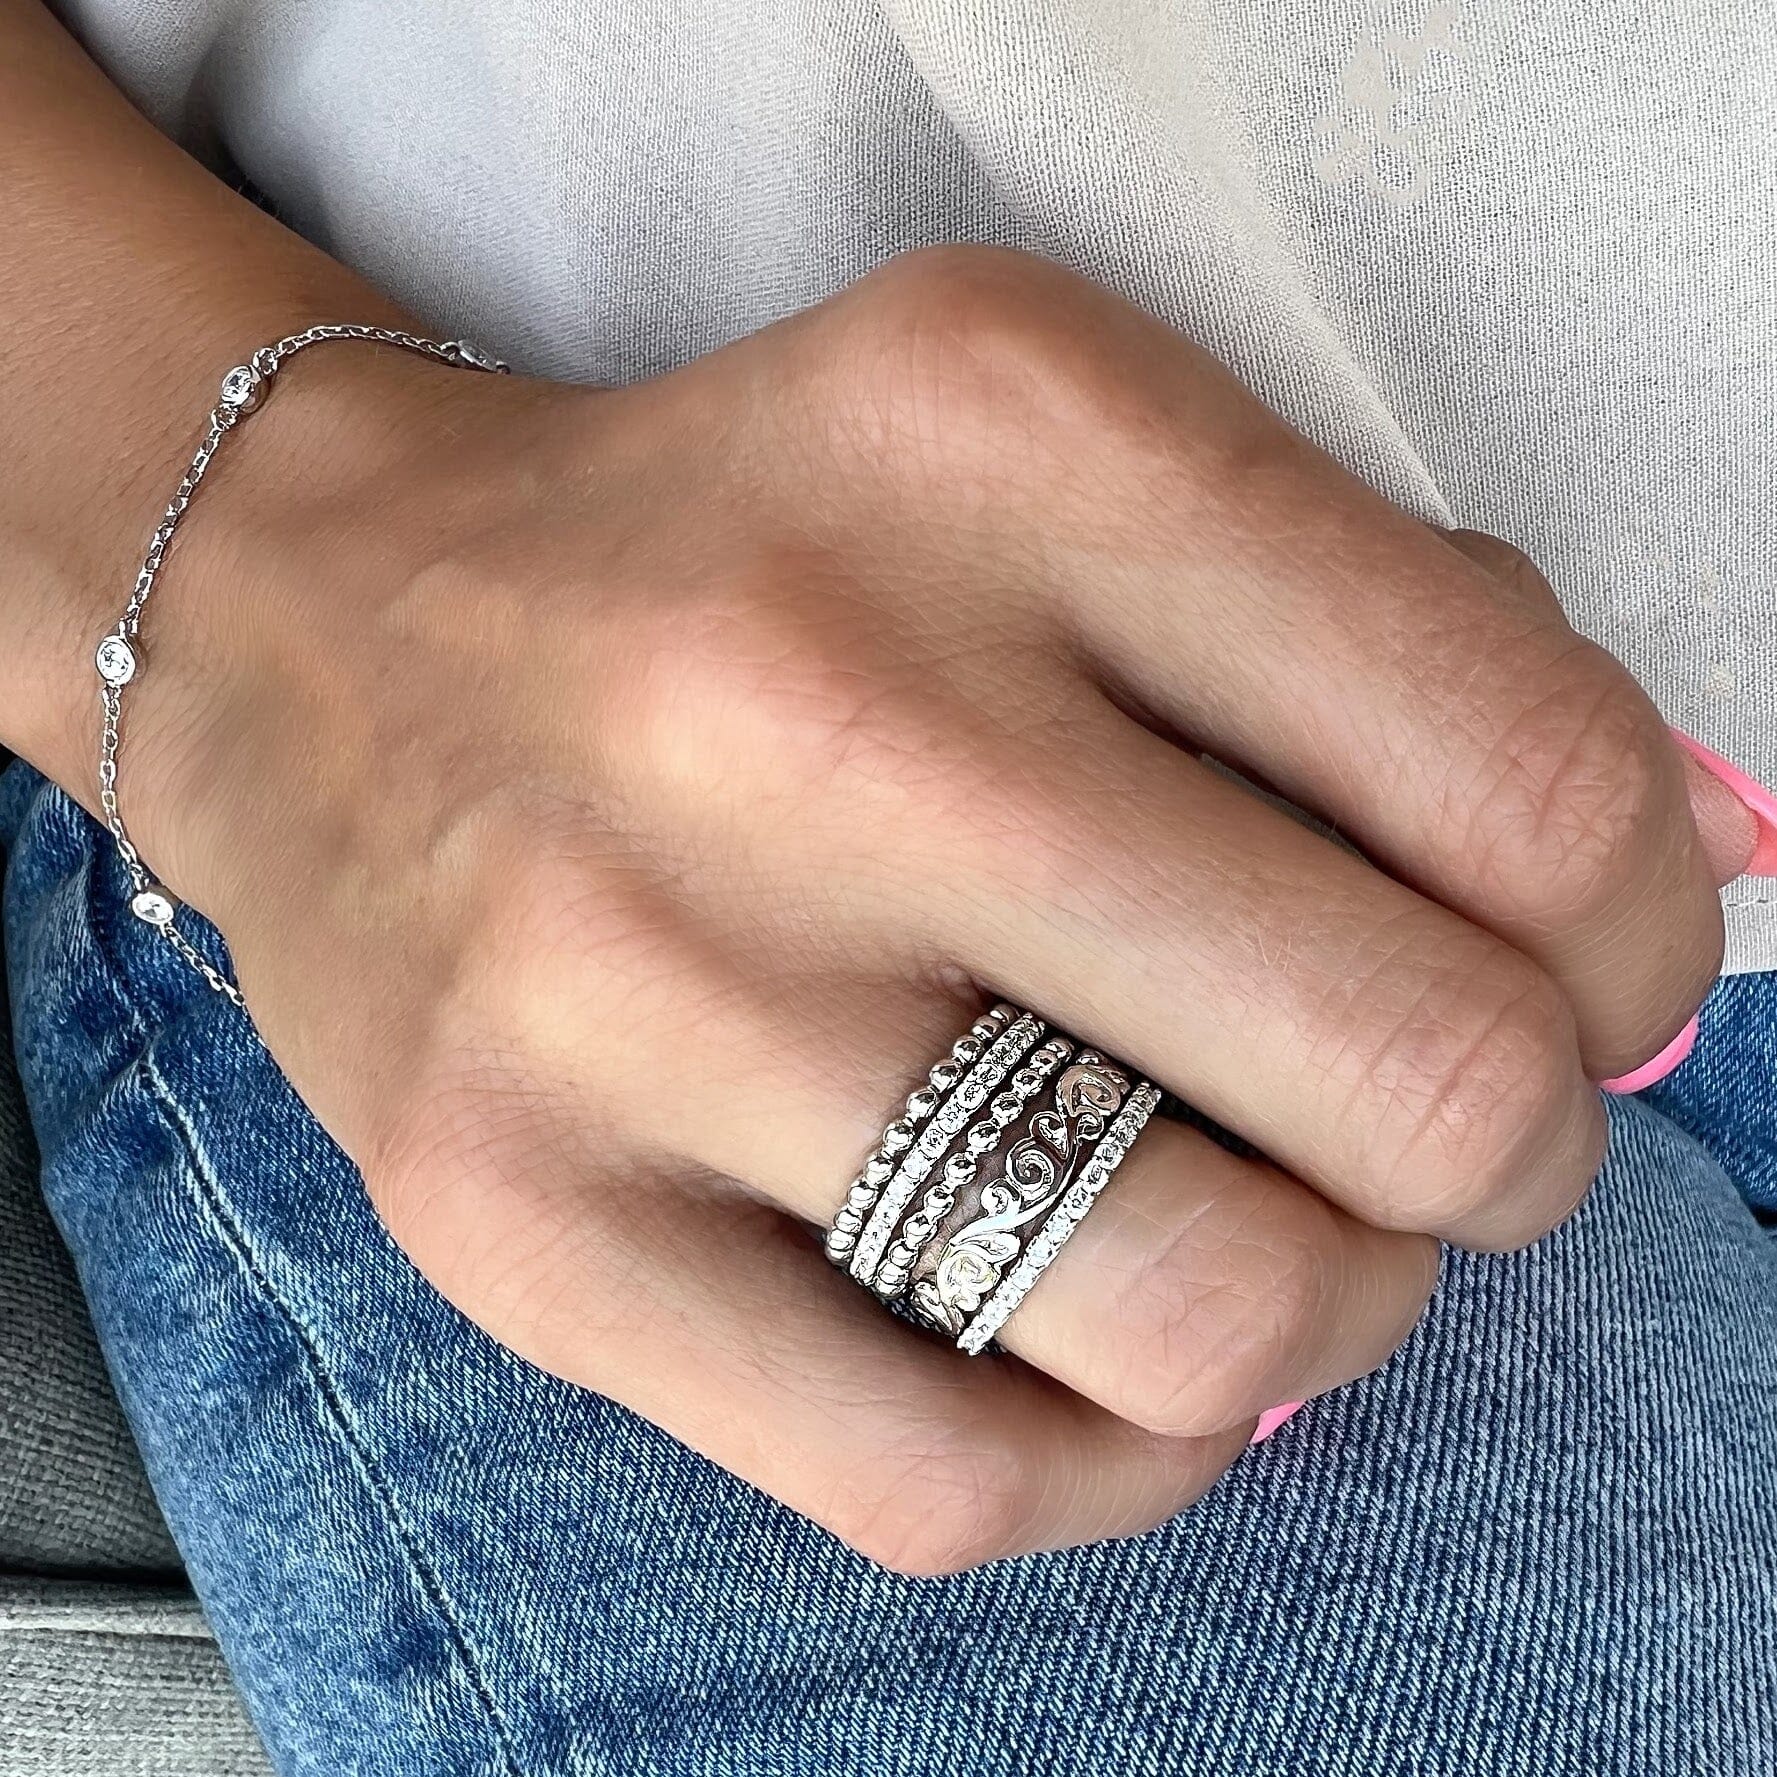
<point x="990" y="1166"/>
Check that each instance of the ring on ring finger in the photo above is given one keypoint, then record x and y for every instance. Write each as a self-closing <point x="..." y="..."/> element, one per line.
<point x="1023" y="1130"/>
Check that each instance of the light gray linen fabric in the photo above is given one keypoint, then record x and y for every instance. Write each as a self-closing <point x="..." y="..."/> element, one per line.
<point x="1512" y="262"/>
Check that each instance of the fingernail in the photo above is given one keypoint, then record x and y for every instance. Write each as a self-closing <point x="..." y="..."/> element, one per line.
<point x="1722" y="819"/>
<point x="1271" y="1419"/>
<point x="1650" y="1073"/>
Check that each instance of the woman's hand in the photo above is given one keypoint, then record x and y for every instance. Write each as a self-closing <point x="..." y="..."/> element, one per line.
<point x="615" y="800"/>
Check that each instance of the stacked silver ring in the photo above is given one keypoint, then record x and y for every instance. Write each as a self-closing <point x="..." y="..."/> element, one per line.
<point x="990" y="1166"/>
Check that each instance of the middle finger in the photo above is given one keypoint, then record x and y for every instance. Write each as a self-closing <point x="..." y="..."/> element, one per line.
<point x="1410" y="1065"/>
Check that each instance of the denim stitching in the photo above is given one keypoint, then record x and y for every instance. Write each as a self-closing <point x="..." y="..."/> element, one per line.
<point x="212" y="1196"/>
<point x="236" y="1236"/>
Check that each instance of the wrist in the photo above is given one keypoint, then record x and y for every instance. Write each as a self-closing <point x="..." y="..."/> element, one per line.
<point x="249" y="652"/>
<point x="107" y="433"/>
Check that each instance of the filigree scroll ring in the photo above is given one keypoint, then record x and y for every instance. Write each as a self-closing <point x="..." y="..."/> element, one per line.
<point x="982" y="1181"/>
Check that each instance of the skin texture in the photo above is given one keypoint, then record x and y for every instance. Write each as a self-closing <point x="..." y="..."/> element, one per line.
<point x="615" y="799"/>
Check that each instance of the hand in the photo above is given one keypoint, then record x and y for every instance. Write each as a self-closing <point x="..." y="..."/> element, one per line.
<point x="614" y="801"/>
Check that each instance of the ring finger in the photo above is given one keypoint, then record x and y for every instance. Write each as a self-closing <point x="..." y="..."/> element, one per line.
<point x="1204" y="1289"/>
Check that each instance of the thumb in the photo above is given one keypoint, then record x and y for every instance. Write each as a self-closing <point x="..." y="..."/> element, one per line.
<point x="1736" y="816"/>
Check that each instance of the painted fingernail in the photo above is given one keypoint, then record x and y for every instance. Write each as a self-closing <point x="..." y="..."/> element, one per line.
<point x="1271" y="1419"/>
<point x="1650" y="1073"/>
<point x="1751" y="795"/>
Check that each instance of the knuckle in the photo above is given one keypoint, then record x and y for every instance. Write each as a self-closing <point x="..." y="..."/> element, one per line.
<point x="956" y="356"/>
<point x="1522" y="576"/>
<point x="995" y="301"/>
<point x="1481" y="1096"/>
<point x="1204" y="1350"/>
<point x="822" y="715"/>
<point x="939" y="1511"/>
<point x="984" y="374"/>
<point x="1573" y="795"/>
<point x="1506" y="563"/>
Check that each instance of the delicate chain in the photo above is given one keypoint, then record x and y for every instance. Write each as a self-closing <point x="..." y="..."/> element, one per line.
<point x="119" y="657"/>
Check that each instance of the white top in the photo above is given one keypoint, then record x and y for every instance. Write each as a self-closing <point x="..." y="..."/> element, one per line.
<point x="1512" y="263"/>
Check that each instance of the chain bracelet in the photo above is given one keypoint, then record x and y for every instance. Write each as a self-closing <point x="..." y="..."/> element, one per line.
<point x="119" y="654"/>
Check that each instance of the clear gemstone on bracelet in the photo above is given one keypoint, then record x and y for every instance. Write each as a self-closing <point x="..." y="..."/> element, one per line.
<point x="468" y="353"/>
<point x="116" y="661"/>
<point x="242" y="389"/>
<point x="153" y="906"/>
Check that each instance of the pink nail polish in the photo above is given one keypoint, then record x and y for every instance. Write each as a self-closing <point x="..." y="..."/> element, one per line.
<point x="1750" y="791"/>
<point x="1271" y="1419"/>
<point x="1650" y="1073"/>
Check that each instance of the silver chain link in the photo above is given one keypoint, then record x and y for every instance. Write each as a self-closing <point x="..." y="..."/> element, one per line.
<point x="119" y="658"/>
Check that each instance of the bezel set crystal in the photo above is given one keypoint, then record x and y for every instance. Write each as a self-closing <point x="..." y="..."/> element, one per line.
<point x="472" y="357"/>
<point x="153" y="906"/>
<point x="243" y="389"/>
<point x="116" y="661"/>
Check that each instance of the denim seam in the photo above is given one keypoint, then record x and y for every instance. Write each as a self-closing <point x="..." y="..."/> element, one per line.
<point x="212" y="1195"/>
<point x="329" y="1392"/>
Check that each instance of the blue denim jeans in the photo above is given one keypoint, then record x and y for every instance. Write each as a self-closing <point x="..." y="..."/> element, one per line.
<point x="1541" y="1540"/>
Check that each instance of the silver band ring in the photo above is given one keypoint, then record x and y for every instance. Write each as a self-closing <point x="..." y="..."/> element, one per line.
<point x="1012" y="1184"/>
<point x="940" y="1135"/>
<point x="979" y="1144"/>
<point x="1036" y="1171"/>
<point x="900" y="1135"/>
<point x="1066" y="1216"/>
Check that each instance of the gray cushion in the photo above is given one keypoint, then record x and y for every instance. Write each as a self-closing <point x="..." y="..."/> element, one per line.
<point x="114" y="1680"/>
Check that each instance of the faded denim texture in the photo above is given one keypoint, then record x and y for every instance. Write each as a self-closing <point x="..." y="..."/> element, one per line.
<point x="1540" y="1541"/>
